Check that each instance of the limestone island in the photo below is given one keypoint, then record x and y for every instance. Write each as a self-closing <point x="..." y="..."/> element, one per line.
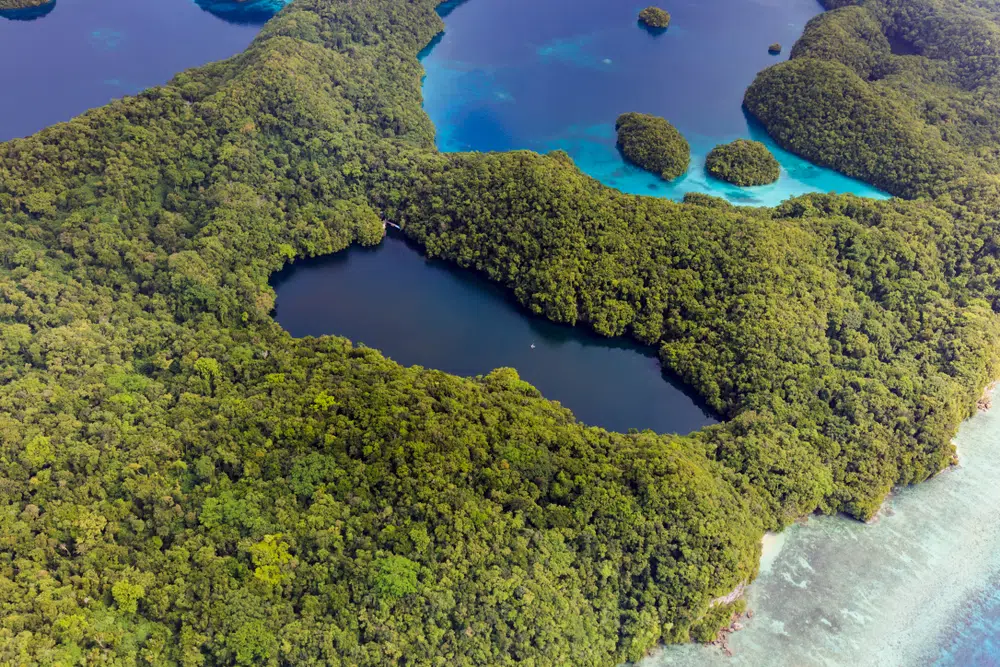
<point x="653" y="144"/>
<point x="774" y="49"/>
<point x="743" y="162"/>
<point x="654" y="17"/>
<point x="22" y="4"/>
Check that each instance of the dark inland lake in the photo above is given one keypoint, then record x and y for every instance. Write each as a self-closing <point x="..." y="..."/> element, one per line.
<point x="433" y="314"/>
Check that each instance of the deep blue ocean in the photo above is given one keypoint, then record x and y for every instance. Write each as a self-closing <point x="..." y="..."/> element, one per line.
<point x="72" y="55"/>
<point x="919" y="587"/>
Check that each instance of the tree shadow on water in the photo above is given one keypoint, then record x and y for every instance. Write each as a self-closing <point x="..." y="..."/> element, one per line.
<point x="245" y="12"/>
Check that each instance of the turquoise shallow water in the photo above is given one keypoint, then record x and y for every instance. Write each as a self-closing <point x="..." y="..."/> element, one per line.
<point x="509" y="74"/>
<point x="916" y="587"/>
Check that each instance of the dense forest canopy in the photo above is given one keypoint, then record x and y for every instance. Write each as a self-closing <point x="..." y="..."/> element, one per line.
<point x="184" y="483"/>
<point x="653" y="143"/>
<point x="743" y="162"/>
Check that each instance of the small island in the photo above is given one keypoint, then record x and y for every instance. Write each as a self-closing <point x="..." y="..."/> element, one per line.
<point x="774" y="49"/>
<point x="22" y="4"/>
<point x="653" y="144"/>
<point x="744" y="163"/>
<point x="654" y="17"/>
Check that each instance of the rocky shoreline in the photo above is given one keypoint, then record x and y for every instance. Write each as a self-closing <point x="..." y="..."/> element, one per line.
<point x="985" y="402"/>
<point x="735" y="625"/>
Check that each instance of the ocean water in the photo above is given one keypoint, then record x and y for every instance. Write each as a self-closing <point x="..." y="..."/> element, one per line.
<point x="434" y="314"/>
<point x="509" y="74"/>
<point x="72" y="55"/>
<point x="919" y="586"/>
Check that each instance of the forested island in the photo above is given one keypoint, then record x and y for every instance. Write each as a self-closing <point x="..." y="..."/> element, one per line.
<point x="185" y="483"/>
<point x="654" y="17"/>
<point x="743" y="162"/>
<point x="653" y="143"/>
<point x="22" y="4"/>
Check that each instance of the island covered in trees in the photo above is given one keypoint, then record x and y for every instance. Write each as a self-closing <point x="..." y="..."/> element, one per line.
<point x="184" y="483"/>
<point x="653" y="143"/>
<point x="22" y="4"/>
<point x="654" y="17"/>
<point x="743" y="162"/>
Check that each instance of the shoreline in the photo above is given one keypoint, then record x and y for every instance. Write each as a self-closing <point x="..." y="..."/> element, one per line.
<point x="902" y="591"/>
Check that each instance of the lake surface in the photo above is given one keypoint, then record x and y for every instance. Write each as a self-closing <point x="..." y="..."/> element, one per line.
<point x="550" y="75"/>
<point x="73" y="55"/>
<point x="432" y="314"/>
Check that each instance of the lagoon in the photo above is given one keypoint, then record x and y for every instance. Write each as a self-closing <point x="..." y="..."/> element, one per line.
<point x="510" y="74"/>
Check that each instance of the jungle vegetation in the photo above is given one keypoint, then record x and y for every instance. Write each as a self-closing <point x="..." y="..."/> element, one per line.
<point x="181" y="482"/>
<point x="653" y="143"/>
<point x="743" y="162"/>
<point x="654" y="17"/>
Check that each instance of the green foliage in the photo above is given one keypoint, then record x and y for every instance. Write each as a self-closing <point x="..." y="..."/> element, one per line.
<point x="655" y="17"/>
<point x="805" y="324"/>
<point x="394" y="577"/>
<point x="127" y="595"/>
<point x="744" y="163"/>
<point x="184" y="483"/>
<point x="653" y="144"/>
<point x="707" y="628"/>
<point x="273" y="563"/>
<point x="903" y="94"/>
<point x="774" y="49"/>
<point x="38" y="452"/>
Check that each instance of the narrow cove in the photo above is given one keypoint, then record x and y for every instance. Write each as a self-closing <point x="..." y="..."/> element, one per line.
<point x="433" y="314"/>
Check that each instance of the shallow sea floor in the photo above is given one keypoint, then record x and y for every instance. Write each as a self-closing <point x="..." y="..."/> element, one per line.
<point x="916" y="587"/>
<point x="521" y="74"/>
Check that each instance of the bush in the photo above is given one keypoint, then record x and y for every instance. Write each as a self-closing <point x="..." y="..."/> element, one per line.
<point x="744" y="163"/>
<point x="653" y="144"/>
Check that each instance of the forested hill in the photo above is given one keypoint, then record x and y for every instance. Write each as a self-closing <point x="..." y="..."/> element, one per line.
<point x="184" y="483"/>
<point x="902" y="93"/>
